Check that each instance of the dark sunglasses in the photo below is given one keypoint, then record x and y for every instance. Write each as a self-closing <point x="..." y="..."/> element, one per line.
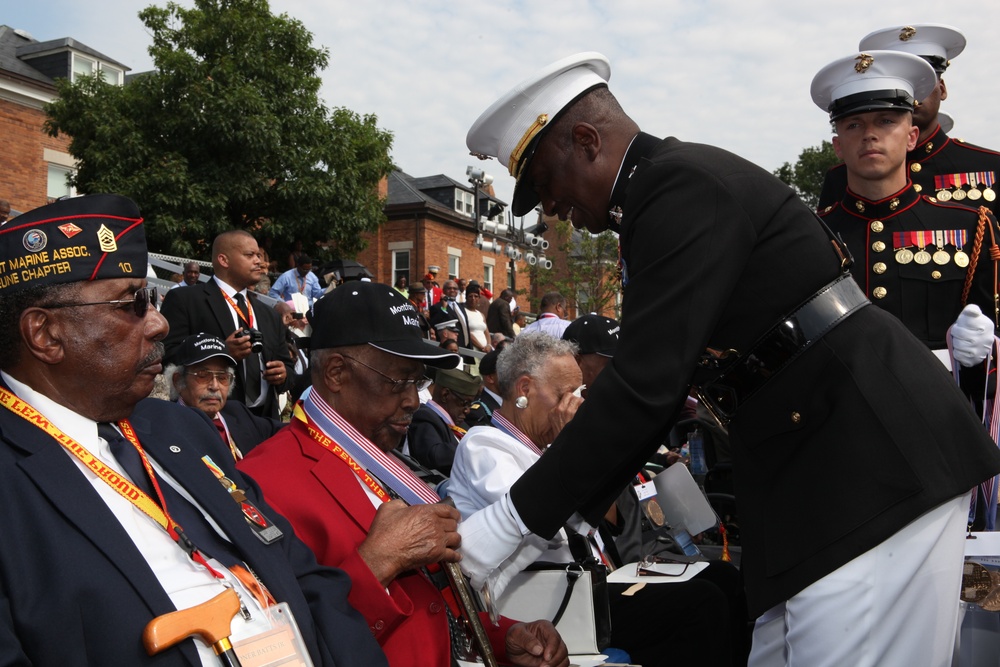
<point x="140" y="302"/>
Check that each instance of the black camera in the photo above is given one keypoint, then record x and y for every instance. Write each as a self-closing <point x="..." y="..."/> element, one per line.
<point x="256" y="339"/>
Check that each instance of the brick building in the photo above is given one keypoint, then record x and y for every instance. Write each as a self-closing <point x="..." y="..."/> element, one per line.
<point x="35" y="164"/>
<point x="430" y="221"/>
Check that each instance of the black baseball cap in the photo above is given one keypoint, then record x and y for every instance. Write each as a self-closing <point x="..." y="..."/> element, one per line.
<point x="202" y="347"/>
<point x="362" y="313"/>
<point x="594" y="334"/>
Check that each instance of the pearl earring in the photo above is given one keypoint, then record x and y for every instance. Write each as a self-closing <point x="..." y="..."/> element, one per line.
<point x="521" y="402"/>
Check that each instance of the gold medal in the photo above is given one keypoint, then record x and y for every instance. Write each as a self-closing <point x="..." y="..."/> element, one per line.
<point x="961" y="259"/>
<point x="958" y="195"/>
<point x="980" y="586"/>
<point x="941" y="258"/>
<point x="974" y="194"/>
<point x="654" y="512"/>
<point x="904" y="256"/>
<point x="989" y="195"/>
<point x="943" y="195"/>
<point x="922" y="257"/>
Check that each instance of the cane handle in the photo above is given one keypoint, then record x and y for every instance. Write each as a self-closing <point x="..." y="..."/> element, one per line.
<point x="209" y="620"/>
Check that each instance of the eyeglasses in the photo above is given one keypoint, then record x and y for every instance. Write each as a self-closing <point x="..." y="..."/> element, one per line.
<point x="644" y="568"/>
<point x="464" y="402"/>
<point x="140" y="302"/>
<point x="222" y="377"/>
<point x="398" y="386"/>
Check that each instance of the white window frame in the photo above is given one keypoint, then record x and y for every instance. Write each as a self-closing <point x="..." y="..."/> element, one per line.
<point x="98" y="66"/>
<point x="465" y="202"/>
<point x="488" y="275"/>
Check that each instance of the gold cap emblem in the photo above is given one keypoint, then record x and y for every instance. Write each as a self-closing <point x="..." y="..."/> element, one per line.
<point x="864" y="62"/>
<point x="106" y="238"/>
<point x="907" y="33"/>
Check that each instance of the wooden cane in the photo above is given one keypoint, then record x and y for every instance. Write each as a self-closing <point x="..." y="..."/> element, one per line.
<point x="209" y="620"/>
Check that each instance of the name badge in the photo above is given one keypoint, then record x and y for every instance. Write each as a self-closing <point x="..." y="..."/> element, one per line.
<point x="281" y="645"/>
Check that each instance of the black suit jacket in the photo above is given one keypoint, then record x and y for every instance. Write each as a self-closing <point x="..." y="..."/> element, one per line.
<point x="247" y="429"/>
<point x="203" y="309"/>
<point x="481" y="412"/>
<point x="859" y="435"/>
<point x="431" y="441"/>
<point x="455" y="311"/>
<point x="75" y="591"/>
<point x="498" y="319"/>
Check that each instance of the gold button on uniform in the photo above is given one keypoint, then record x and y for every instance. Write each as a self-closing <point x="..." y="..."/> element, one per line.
<point x="915" y="167"/>
<point x="877" y="226"/>
<point x="879" y="292"/>
<point x="878" y="246"/>
<point x="796" y="418"/>
<point x="918" y="187"/>
<point x="936" y="275"/>
<point x="879" y="268"/>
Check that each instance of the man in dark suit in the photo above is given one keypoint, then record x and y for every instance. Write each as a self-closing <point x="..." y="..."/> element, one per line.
<point x="203" y="379"/>
<point x="448" y="311"/>
<point x="439" y="423"/>
<point x="226" y="307"/>
<point x="105" y="493"/>
<point x="732" y="285"/>
<point x="481" y="411"/>
<point x="498" y="317"/>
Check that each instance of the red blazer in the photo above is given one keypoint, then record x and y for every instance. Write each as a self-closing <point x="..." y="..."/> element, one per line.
<point x="330" y="512"/>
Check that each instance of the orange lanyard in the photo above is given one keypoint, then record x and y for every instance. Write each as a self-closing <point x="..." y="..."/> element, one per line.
<point x="120" y="484"/>
<point x="328" y="443"/>
<point x="239" y="313"/>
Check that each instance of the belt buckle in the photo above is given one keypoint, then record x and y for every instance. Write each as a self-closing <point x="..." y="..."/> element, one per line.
<point x="720" y="415"/>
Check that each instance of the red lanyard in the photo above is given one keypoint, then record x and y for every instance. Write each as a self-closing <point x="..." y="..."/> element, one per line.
<point x="239" y="313"/>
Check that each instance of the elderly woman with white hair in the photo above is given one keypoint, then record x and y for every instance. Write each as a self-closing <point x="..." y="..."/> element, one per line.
<point x="539" y="380"/>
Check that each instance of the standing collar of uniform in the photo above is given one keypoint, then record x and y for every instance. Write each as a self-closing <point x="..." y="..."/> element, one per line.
<point x="642" y="145"/>
<point x="930" y="146"/>
<point x="892" y="205"/>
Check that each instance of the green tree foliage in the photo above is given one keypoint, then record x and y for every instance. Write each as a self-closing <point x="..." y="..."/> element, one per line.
<point x="589" y="281"/>
<point x="228" y="132"/>
<point x="807" y="174"/>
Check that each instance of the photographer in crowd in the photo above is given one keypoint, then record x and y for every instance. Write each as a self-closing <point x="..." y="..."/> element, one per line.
<point x="252" y="332"/>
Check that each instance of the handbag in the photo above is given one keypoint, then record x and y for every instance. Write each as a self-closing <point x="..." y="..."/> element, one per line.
<point x="574" y="596"/>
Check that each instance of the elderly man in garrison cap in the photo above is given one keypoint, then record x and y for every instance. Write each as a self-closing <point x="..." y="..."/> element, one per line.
<point x="202" y="379"/>
<point x="942" y="167"/>
<point x="439" y="423"/>
<point x="333" y="474"/>
<point x="114" y="510"/>
<point x="732" y="284"/>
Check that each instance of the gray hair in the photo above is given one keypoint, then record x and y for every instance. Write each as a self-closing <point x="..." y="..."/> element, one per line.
<point x="525" y="355"/>
<point x="174" y="369"/>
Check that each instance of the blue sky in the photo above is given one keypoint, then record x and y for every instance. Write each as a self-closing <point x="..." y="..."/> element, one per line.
<point x="732" y="74"/>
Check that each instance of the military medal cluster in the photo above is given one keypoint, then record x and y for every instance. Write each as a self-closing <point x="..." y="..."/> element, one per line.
<point x="922" y="239"/>
<point x="952" y="186"/>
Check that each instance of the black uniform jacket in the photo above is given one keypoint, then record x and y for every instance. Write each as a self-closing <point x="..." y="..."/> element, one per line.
<point x="860" y="434"/>
<point x="74" y="590"/>
<point x="202" y="308"/>
<point x="924" y="293"/>
<point x="247" y="429"/>
<point x="431" y="441"/>
<point x="481" y="412"/>
<point x="937" y="156"/>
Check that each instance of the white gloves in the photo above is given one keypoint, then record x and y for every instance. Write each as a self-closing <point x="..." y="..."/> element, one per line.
<point x="971" y="336"/>
<point x="489" y="537"/>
